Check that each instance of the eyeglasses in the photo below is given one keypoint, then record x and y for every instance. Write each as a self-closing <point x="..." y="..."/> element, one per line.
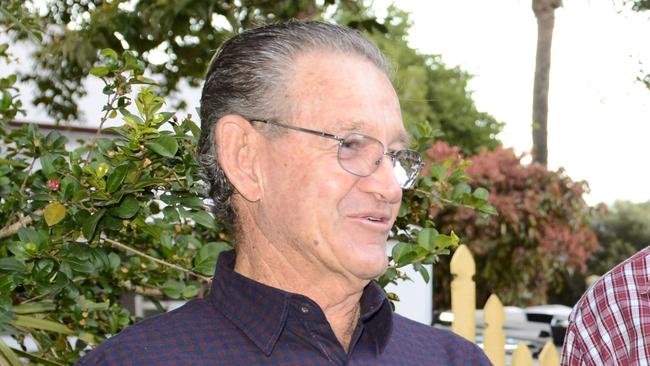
<point x="361" y="155"/>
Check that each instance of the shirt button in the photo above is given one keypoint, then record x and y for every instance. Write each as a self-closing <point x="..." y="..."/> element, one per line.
<point x="304" y="309"/>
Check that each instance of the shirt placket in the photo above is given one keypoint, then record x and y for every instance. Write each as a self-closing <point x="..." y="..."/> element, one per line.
<point x="320" y="333"/>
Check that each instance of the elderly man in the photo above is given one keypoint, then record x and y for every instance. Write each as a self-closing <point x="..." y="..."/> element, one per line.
<point x="306" y="155"/>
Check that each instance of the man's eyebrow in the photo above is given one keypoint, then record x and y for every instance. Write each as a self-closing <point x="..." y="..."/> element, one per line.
<point x="355" y="126"/>
<point x="348" y="126"/>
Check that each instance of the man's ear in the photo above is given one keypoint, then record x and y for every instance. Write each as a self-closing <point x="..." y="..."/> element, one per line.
<point x="237" y="148"/>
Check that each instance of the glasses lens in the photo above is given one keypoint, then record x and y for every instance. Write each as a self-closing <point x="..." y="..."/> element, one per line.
<point x="360" y="154"/>
<point x="407" y="167"/>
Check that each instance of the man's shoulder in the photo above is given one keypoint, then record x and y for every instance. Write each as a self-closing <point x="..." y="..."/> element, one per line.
<point x="608" y="320"/>
<point x="435" y="343"/>
<point x="174" y="333"/>
<point x="628" y="280"/>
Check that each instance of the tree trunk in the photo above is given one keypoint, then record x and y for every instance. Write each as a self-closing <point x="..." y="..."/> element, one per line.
<point x="545" y="13"/>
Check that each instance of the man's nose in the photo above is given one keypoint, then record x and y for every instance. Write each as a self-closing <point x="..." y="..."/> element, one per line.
<point x="383" y="182"/>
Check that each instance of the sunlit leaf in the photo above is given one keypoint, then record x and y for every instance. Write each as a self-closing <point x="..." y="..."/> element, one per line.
<point x="101" y="170"/>
<point x="54" y="213"/>
<point x="99" y="71"/>
<point x="25" y="321"/>
<point x="164" y="145"/>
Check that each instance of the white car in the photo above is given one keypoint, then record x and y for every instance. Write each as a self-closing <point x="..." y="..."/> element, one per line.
<point x="533" y="325"/>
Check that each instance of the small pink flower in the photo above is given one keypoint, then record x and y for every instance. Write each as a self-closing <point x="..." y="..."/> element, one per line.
<point x="54" y="184"/>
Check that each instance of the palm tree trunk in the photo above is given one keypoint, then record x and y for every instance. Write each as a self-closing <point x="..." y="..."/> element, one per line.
<point x="545" y="13"/>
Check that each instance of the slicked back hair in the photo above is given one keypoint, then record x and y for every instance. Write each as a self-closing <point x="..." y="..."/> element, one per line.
<point x="249" y="75"/>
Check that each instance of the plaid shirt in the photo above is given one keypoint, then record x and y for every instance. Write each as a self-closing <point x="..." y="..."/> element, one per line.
<point x="242" y="322"/>
<point x="610" y="325"/>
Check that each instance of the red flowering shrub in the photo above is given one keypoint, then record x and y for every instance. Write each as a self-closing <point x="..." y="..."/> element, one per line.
<point x="542" y="229"/>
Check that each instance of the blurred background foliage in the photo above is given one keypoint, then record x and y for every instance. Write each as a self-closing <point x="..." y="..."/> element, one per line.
<point x="542" y="230"/>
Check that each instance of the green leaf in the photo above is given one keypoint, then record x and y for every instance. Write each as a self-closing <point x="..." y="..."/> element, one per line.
<point x="388" y="276"/>
<point x="99" y="71"/>
<point x="7" y="285"/>
<point x="12" y="265"/>
<point x="481" y="193"/>
<point x="88" y="338"/>
<point x="107" y="52"/>
<point x="166" y="146"/>
<point x="423" y="272"/>
<point x="25" y="321"/>
<point x="81" y="265"/>
<point x="204" y="219"/>
<point x="47" y="165"/>
<point x="34" y="307"/>
<point x="190" y="291"/>
<point x="101" y="170"/>
<point x="114" y="261"/>
<point x="404" y="210"/>
<point x="127" y="208"/>
<point x="192" y="202"/>
<point x="425" y="238"/>
<point x="37" y="359"/>
<point x="399" y="250"/>
<point x="133" y="121"/>
<point x="488" y="209"/>
<point x="69" y="187"/>
<point x="90" y="224"/>
<point x="149" y="182"/>
<point x="30" y="235"/>
<point x="206" y="259"/>
<point x="66" y="270"/>
<point x="116" y="178"/>
<point x="54" y="213"/>
<point x="446" y="241"/>
<point x="438" y="172"/>
<point x="173" y="289"/>
<point x="86" y="304"/>
<point x="460" y="189"/>
<point x="161" y="118"/>
<point x="8" y="355"/>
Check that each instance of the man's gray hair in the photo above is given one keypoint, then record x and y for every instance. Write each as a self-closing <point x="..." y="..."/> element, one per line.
<point x="248" y="76"/>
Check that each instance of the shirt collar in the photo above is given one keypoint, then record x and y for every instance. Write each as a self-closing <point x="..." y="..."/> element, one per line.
<point x="260" y="311"/>
<point x="377" y="314"/>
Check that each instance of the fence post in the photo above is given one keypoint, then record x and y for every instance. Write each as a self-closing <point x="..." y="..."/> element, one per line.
<point x="522" y="356"/>
<point x="494" y="338"/>
<point x="549" y="355"/>
<point x="463" y="293"/>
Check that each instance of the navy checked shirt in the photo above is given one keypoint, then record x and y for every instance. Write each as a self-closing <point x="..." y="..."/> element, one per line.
<point x="243" y="322"/>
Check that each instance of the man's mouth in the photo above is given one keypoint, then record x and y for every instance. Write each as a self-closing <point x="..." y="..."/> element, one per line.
<point x="374" y="219"/>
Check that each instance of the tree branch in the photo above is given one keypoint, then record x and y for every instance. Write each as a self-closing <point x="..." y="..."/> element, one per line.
<point x="10" y="230"/>
<point x="127" y="248"/>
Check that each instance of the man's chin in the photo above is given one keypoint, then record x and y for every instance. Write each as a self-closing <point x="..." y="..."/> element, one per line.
<point x="370" y="270"/>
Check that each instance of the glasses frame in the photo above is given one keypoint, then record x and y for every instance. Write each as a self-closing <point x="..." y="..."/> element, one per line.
<point x="391" y="154"/>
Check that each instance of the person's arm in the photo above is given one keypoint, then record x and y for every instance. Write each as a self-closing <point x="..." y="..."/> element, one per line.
<point x="573" y="351"/>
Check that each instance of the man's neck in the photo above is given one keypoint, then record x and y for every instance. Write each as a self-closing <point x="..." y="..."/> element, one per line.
<point x="337" y="295"/>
